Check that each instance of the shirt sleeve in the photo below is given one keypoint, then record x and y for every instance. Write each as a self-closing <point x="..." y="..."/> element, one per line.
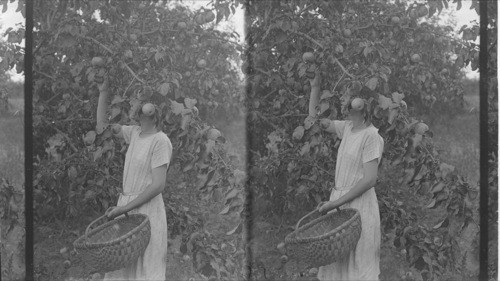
<point x="373" y="148"/>
<point x="127" y="133"/>
<point x="162" y="152"/>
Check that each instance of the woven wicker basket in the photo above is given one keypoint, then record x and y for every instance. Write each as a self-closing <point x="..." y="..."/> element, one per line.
<point x="325" y="240"/>
<point x="114" y="244"/>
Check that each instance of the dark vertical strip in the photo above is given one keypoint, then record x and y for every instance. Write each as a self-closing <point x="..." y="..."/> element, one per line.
<point x="249" y="148"/>
<point x="28" y="124"/>
<point x="483" y="132"/>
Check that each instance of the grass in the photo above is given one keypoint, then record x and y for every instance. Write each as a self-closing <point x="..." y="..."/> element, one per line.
<point x="12" y="145"/>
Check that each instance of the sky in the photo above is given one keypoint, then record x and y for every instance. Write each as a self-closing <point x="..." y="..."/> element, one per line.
<point x="12" y="19"/>
<point x="236" y="22"/>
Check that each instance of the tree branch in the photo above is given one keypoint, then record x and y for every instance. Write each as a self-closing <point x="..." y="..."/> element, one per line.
<point x="133" y="73"/>
<point x="262" y="71"/>
<point x="46" y="75"/>
<point x="268" y="95"/>
<point x="318" y="167"/>
<point x="150" y="32"/>
<point x="98" y="43"/>
<point x="123" y="95"/>
<point x="335" y="60"/>
<point x="364" y="27"/>
<point x="309" y="38"/>
<point x="41" y="44"/>
<point x="289" y="115"/>
<point x="338" y="82"/>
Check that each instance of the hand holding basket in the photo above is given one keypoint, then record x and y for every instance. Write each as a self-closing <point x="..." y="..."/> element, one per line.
<point x="325" y="240"/>
<point x="114" y="244"/>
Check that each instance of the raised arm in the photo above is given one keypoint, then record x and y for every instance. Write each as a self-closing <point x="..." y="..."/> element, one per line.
<point x="102" y="108"/>
<point x="314" y="98"/>
<point x="325" y="123"/>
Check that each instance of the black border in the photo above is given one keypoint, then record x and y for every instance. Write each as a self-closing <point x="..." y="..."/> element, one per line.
<point x="28" y="139"/>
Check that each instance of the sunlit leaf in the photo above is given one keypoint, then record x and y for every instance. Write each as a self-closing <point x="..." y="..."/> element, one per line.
<point x="176" y="107"/>
<point x="384" y="102"/>
<point x="164" y="89"/>
<point x="305" y="149"/>
<point x="190" y="103"/>
<point x="326" y="94"/>
<point x="446" y="169"/>
<point x="372" y="83"/>
<point x="397" y="97"/>
<point x="237" y="229"/>
<point x="298" y="133"/>
<point x="308" y="122"/>
<point x="443" y="223"/>
<point x="438" y="187"/>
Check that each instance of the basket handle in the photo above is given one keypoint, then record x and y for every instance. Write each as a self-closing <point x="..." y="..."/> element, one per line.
<point x="105" y="216"/>
<point x="308" y="215"/>
<point x="93" y="222"/>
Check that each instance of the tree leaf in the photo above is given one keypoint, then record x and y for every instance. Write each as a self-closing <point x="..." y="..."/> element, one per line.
<point x="190" y="102"/>
<point x="302" y="189"/>
<point x="98" y="153"/>
<point x="72" y="172"/>
<point x="393" y="113"/>
<point x="234" y="230"/>
<point x="372" y="83"/>
<point x="438" y="187"/>
<point x="431" y="204"/>
<point x="367" y="50"/>
<point x="232" y="194"/>
<point x="442" y="223"/>
<point x="90" y="137"/>
<point x="417" y="138"/>
<point x="298" y="133"/>
<point x="446" y="169"/>
<point x="326" y="94"/>
<point x="176" y="107"/>
<point x="323" y="106"/>
<point x="305" y="149"/>
<point x="384" y="102"/>
<point x="117" y="99"/>
<point x="158" y="56"/>
<point x="397" y="97"/>
<point x="185" y="121"/>
<point x="308" y="122"/>
<point x="115" y="111"/>
<point x="225" y="210"/>
<point x="164" y="89"/>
